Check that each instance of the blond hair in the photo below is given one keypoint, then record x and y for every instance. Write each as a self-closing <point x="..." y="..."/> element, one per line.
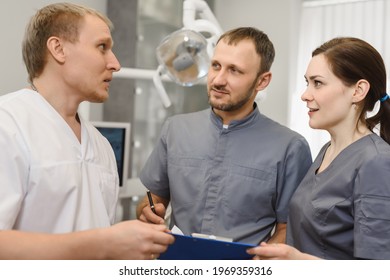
<point x="61" y="20"/>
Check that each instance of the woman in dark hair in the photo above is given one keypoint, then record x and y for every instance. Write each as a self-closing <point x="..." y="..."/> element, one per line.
<point x="341" y="209"/>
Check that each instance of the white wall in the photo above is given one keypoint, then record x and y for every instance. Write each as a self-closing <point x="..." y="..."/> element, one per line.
<point x="279" y="19"/>
<point x="14" y="16"/>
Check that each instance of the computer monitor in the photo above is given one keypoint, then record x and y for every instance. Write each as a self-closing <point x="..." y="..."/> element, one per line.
<point x="118" y="134"/>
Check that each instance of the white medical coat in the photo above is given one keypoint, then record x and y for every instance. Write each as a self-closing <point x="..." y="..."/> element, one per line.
<point x="49" y="181"/>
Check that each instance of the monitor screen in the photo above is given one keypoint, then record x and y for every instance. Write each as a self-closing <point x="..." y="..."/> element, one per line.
<point x="118" y="134"/>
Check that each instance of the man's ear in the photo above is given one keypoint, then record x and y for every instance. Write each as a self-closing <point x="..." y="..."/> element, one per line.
<point x="361" y="89"/>
<point x="56" y="48"/>
<point x="263" y="81"/>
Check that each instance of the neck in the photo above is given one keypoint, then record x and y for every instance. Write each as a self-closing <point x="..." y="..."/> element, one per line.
<point x="340" y="139"/>
<point x="338" y="143"/>
<point x="343" y="139"/>
<point x="229" y="116"/>
<point x="58" y="97"/>
<point x="62" y="103"/>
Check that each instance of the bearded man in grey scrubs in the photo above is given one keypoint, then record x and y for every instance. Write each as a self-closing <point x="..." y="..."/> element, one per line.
<point x="228" y="170"/>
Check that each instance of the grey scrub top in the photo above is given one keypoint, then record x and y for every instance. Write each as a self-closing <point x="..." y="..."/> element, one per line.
<point x="344" y="211"/>
<point x="234" y="182"/>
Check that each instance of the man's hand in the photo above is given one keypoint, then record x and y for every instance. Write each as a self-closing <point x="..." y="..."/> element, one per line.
<point x="136" y="240"/>
<point x="145" y="213"/>
<point x="148" y="216"/>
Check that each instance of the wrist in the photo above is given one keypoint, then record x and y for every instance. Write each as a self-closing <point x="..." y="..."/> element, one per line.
<point x="101" y="243"/>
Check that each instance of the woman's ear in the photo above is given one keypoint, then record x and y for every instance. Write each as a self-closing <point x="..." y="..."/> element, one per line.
<point x="361" y="89"/>
<point x="56" y="48"/>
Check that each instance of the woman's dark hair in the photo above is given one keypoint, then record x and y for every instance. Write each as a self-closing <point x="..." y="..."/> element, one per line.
<point x="352" y="59"/>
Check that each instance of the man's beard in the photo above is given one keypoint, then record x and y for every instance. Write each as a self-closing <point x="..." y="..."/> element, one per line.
<point x="97" y="98"/>
<point x="232" y="106"/>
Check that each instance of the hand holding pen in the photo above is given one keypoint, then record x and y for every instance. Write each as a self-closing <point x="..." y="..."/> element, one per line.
<point x="151" y="212"/>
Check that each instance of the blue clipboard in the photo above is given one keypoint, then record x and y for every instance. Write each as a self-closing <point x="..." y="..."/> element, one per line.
<point x="195" y="248"/>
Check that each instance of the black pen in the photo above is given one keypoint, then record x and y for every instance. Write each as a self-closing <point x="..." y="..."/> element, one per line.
<point x="151" y="201"/>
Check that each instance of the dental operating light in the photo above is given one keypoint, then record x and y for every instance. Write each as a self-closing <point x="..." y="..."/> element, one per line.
<point x="184" y="55"/>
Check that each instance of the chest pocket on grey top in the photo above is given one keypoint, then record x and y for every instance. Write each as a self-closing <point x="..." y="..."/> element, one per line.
<point x="185" y="178"/>
<point x="249" y="191"/>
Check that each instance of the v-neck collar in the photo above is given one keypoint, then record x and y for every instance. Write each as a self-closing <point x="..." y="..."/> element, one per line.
<point x="61" y="120"/>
